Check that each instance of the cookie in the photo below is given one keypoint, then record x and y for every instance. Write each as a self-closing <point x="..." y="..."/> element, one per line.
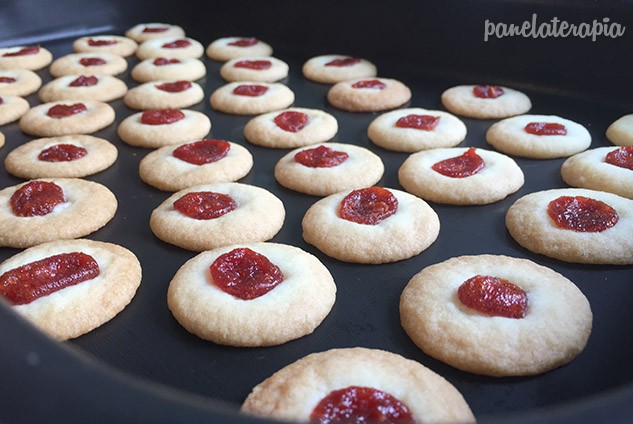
<point x="290" y="128"/>
<point x="604" y="169"/>
<point x="88" y="63"/>
<point x="460" y="176"/>
<point x="148" y="31"/>
<point x="574" y="225"/>
<point x="538" y="136"/>
<point x="496" y="315"/>
<point x="32" y="58"/>
<point x="71" y="156"/>
<point x="333" y="68"/>
<point x="620" y="132"/>
<point x="161" y="127"/>
<point x="1" y="140"/>
<point x="329" y="168"/>
<point x="227" y="48"/>
<point x="104" y="278"/>
<point x="103" y="88"/>
<point x="12" y="108"/>
<point x="19" y="82"/>
<point x="380" y="225"/>
<point x="176" y="167"/>
<point x="251" y="98"/>
<point x="113" y="44"/>
<point x="368" y="95"/>
<point x="169" y="69"/>
<point x="67" y="117"/>
<point x="254" y="68"/>
<point x="415" y="129"/>
<point x="374" y="385"/>
<point x="56" y="208"/>
<point x="214" y="303"/>
<point x="164" y="94"/>
<point x="171" y="47"/>
<point x="485" y="101"/>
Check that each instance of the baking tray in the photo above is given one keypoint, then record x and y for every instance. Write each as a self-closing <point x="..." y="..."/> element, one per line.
<point x="143" y="367"/>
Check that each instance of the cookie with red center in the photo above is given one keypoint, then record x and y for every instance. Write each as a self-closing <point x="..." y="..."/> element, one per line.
<point x="33" y="57"/>
<point x="333" y="68"/>
<point x="357" y="385"/>
<point x="67" y="117"/>
<point x="170" y="47"/>
<point x="251" y="98"/>
<point x="485" y="101"/>
<point x="538" y="136"/>
<point x="496" y="315"/>
<point x="325" y="169"/>
<point x="227" y="48"/>
<point x="254" y="68"/>
<point x="164" y="94"/>
<point x="91" y="63"/>
<point x="169" y="69"/>
<point x="103" y="88"/>
<point x="620" y="132"/>
<point x="574" y="225"/>
<point x="259" y="294"/>
<point x="68" y="288"/>
<point x="386" y="225"/>
<point x="19" y="82"/>
<point x="12" y="108"/>
<point x="113" y="44"/>
<point x="148" y="31"/>
<point x="368" y="94"/>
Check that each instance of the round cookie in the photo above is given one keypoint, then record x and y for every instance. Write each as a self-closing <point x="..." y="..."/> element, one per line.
<point x="554" y="329"/>
<point x="254" y="68"/>
<point x="291" y="309"/>
<point x="620" y="132"/>
<point x="43" y="157"/>
<point x="148" y="31"/>
<point x="164" y="94"/>
<point x="19" y="82"/>
<point x="251" y="98"/>
<point x="462" y="101"/>
<point x="368" y="95"/>
<point x="163" y="170"/>
<point x="227" y="48"/>
<point x="530" y="224"/>
<point x="290" y="128"/>
<point x="171" y="47"/>
<point x="32" y="58"/>
<point x="589" y="169"/>
<point x="12" y="108"/>
<point x="192" y="126"/>
<point x="103" y="88"/>
<point x="293" y="393"/>
<point x="361" y="168"/>
<point x="499" y="177"/>
<point x="511" y="136"/>
<point x="38" y="122"/>
<point x="333" y="68"/>
<point x="414" y="129"/>
<point x="77" y="309"/>
<point x="87" y="206"/>
<point x="113" y="44"/>
<point x="409" y="231"/>
<point x="88" y="63"/>
<point x="165" y="69"/>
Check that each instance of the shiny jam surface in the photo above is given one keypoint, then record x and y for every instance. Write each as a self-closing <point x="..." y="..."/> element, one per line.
<point x="418" y="122"/>
<point x="582" y="214"/>
<point x="174" y="87"/>
<point x="205" y="205"/>
<point x="487" y="91"/>
<point x="63" y="111"/>
<point x="245" y="274"/>
<point x="84" y="81"/>
<point x="369" y="84"/>
<point x="178" y="44"/>
<point x="348" y="61"/>
<point x="356" y="404"/>
<point x="320" y="157"/>
<point x="292" y="121"/>
<point x="7" y="80"/>
<point x="258" y="65"/>
<point x="36" y="198"/>
<point x="24" y="51"/>
<point x="469" y="163"/>
<point x="92" y="61"/>
<point x="493" y="296"/>
<point x="545" y="128"/>
<point x="368" y="206"/>
<point x="203" y="151"/>
<point x="622" y="157"/>
<point x="29" y="282"/>
<point x="102" y="42"/>
<point x="162" y="61"/>
<point x="161" y="116"/>
<point x="250" y="90"/>
<point x="244" y="42"/>
<point x="155" y="29"/>
<point x="62" y="153"/>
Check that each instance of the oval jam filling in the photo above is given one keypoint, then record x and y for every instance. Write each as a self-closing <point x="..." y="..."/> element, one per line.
<point x="292" y="121"/>
<point x="418" y="122"/>
<point x="258" y="65"/>
<point x="205" y="205"/>
<point x="154" y="29"/>
<point x="487" y="91"/>
<point x="23" y="285"/>
<point x="356" y="404"/>
<point x="7" y="80"/>
<point x="24" y="51"/>
<point x="84" y="81"/>
<point x="582" y="214"/>
<point x="469" y="163"/>
<point x="62" y="153"/>
<point x="162" y="61"/>
<point x="36" y="198"/>
<point x="101" y="42"/>
<point x="622" y="157"/>
<point x="203" y="151"/>
<point x="375" y="84"/>
<point x="177" y="44"/>
<point x="545" y="128"/>
<point x="161" y="116"/>
<point x="251" y="90"/>
<point x="348" y="61"/>
<point x="92" y="61"/>
<point x="493" y="296"/>
<point x="64" y="111"/>
<point x="174" y="87"/>
<point x="245" y="274"/>
<point x="244" y="42"/>
<point x="320" y="157"/>
<point x="368" y="206"/>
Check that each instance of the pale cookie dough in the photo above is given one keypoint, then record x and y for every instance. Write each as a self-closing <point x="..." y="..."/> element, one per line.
<point x="88" y="207"/>
<point x="238" y="69"/>
<point x="1" y="140"/>
<point x="19" y="82"/>
<point x="24" y="161"/>
<point x="412" y="229"/>
<point x="12" y="108"/>
<point x="345" y="96"/>
<point x="184" y="68"/>
<point x="554" y="330"/>
<point x="78" y="309"/>
<point x="318" y="70"/>
<point x="194" y="126"/>
<point x="500" y="177"/>
<point x="529" y="224"/>
<point x="461" y="101"/>
<point x="171" y="47"/>
<point x="161" y="169"/>
<point x="509" y="136"/>
<point x="106" y="89"/>
<point x="88" y="63"/>
<point x="292" y="393"/>
<point x="361" y="169"/>
<point x="97" y="116"/>
<point x="292" y="309"/>
<point x="149" y="96"/>
<point x="277" y="96"/>
<point x="263" y="131"/>
<point x="227" y="48"/>
<point x="121" y="46"/>
<point x="620" y="132"/>
<point x="449" y="131"/>
<point x="39" y="58"/>
<point x="148" y="31"/>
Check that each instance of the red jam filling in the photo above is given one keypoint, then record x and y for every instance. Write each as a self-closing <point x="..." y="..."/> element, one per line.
<point x="64" y="111"/>
<point x="582" y="214"/>
<point x="178" y="44"/>
<point x="493" y="296"/>
<point x="244" y="42"/>
<point x="462" y="166"/>
<point x="1" y="100"/>
<point x="258" y="65"/>
<point x="161" y="116"/>
<point x="155" y="29"/>
<point x="174" y="87"/>
<point x="84" y="81"/>
<point x="622" y="157"/>
<point x="92" y="61"/>
<point x="368" y="206"/>
<point x="356" y="404"/>
<point x="369" y="84"/>
<point x="545" y="128"/>
<point x="292" y="121"/>
<point x="203" y="151"/>
<point x="7" y="80"/>
<point x="245" y="274"/>
<point x="205" y="205"/>
<point x="348" y="61"/>
<point x="36" y="198"/>
<point x="320" y="157"/>
<point x="162" y="61"/>
<point x="102" y="42"/>
<point x="29" y="282"/>
<point x="24" y="51"/>
<point x="418" y="122"/>
<point x="487" y="91"/>
<point x="62" y="153"/>
<point x="251" y="90"/>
